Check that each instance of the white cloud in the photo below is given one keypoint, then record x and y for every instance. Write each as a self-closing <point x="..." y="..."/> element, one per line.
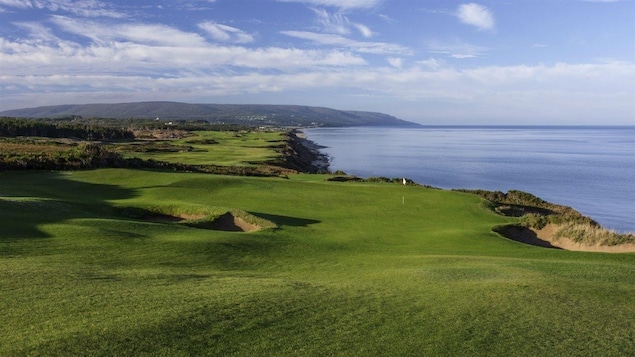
<point x="151" y="50"/>
<point x="38" y="31"/>
<point x="20" y="4"/>
<point x="151" y="34"/>
<point x="79" y="59"/>
<point x="86" y="8"/>
<point x="285" y="59"/>
<point x="573" y="92"/>
<point x="364" y="30"/>
<point x="395" y="62"/>
<point x="339" y="24"/>
<point x="224" y="33"/>
<point x="456" y="49"/>
<point x="358" y="46"/>
<point x="341" y="4"/>
<point x="431" y="63"/>
<point x="386" y="18"/>
<point x="332" y="23"/>
<point x="476" y="15"/>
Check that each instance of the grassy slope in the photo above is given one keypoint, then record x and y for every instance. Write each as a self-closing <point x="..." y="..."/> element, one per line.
<point x="350" y="271"/>
<point x="232" y="148"/>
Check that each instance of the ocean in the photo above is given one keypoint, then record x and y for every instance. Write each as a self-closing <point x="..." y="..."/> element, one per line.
<point x="590" y="168"/>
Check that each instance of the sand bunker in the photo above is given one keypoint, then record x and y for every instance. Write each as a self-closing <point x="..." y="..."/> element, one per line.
<point x="226" y="222"/>
<point x="229" y="222"/>
<point x="545" y="238"/>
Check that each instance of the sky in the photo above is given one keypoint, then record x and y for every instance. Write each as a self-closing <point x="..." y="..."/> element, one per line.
<point x="515" y="62"/>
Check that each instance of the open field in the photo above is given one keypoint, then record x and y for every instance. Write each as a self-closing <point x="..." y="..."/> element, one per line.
<point x="350" y="269"/>
<point x="238" y="148"/>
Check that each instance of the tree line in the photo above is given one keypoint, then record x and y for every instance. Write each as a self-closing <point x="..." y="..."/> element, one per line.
<point x="14" y="127"/>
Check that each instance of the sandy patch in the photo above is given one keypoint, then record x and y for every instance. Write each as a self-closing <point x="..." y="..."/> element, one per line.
<point x="231" y="223"/>
<point x="227" y="222"/>
<point x="545" y="238"/>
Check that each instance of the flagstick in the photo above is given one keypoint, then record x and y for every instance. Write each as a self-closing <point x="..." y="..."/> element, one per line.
<point x="403" y="198"/>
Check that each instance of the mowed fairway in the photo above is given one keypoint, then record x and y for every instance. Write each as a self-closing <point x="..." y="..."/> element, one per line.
<point x="352" y="269"/>
<point x="240" y="148"/>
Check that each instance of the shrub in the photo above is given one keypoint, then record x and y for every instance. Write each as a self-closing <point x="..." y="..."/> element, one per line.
<point x="378" y="179"/>
<point x="534" y="220"/>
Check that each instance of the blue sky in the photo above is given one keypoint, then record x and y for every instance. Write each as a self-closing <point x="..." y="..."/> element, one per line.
<point x="433" y="62"/>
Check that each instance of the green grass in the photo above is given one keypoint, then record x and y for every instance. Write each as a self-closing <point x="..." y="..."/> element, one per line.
<point x="349" y="270"/>
<point x="231" y="148"/>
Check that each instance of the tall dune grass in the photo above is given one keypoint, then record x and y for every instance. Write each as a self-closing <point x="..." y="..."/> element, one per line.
<point x="592" y="235"/>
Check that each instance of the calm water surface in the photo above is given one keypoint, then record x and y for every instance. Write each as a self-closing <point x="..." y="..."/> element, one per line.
<point x="591" y="169"/>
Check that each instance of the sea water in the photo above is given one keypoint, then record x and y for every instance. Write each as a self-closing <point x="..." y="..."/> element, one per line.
<point x="591" y="169"/>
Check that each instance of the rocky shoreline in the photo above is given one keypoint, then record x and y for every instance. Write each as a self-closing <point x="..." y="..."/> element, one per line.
<point x="304" y="155"/>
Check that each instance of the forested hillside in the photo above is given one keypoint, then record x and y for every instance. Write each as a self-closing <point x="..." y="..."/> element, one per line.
<point x="11" y="127"/>
<point x="276" y="115"/>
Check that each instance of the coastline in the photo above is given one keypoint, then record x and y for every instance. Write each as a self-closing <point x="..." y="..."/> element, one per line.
<point x="304" y="155"/>
<point x="585" y="168"/>
<point x="544" y="237"/>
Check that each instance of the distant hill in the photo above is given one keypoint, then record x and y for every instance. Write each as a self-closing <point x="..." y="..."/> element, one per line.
<point x="253" y="114"/>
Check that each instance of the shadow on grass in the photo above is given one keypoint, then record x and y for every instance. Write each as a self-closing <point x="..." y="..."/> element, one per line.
<point x="286" y="220"/>
<point x="523" y="235"/>
<point x="31" y="199"/>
